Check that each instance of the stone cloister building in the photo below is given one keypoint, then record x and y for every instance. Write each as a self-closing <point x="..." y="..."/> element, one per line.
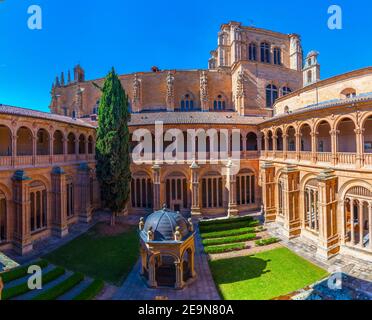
<point x="304" y="147"/>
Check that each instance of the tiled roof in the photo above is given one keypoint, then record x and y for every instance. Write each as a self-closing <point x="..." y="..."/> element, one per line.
<point x="17" y="111"/>
<point x="192" y="118"/>
<point x="324" y="105"/>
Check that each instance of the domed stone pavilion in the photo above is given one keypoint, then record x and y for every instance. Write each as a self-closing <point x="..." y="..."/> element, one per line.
<point x="167" y="249"/>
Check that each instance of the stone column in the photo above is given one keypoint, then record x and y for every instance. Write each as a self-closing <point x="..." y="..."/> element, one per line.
<point x="51" y="148"/>
<point x="352" y="230"/>
<point x="342" y="222"/>
<point x="152" y="275"/>
<point x="275" y="145"/>
<point x="298" y="146"/>
<point x="14" y="149"/>
<point x="285" y="146"/>
<point x="34" y="148"/>
<point x="268" y="191"/>
<point x="21" y="200"/>
<point x="59" y="200"/>
<point x="359" y="147"/>
<point x="334" y="134"/>
<point x="360" y="218"/>
<point x="195" y="201"/>
<point x="231" y="181"/>
<point x="65" y="148"/>
<point x="313" y="147"/>
<point x="156" y="184"/>
<point x="179" y="275"/>
<point x="291" y="192"/>
<point x="329" y="239"/>
<point x="266" y="138"/>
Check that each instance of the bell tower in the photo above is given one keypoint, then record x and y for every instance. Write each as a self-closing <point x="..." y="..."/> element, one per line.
<point x="311" y="70"/>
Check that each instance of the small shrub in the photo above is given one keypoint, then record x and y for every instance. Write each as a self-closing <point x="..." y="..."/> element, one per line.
<point x="61" y="288"/>
<point x="225" y="248"/>
<point x="227" y="240"/>
<point x="224" y="221"/>
<point x="228" y="226"/>
<point x="226" y="233"/>
<point x="21" y="271"/>
<point x="265" y="242"/>
<point x="91" y="291"/>
<point x="23" y="287"/>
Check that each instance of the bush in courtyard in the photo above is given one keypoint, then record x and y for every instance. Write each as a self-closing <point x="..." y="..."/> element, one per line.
<point x="61" y="288"/>
<point x="23" y="287"/>
<point x="91" y="291"/>
<point x="226" y="233"/>
<point x="228" y="226"/>
<point x="232" y="239"/>
<point x="21" y="271"/>
<point x="265" y="242"/>
<point x="225" y="248"/>
<point x="224" y="221"/>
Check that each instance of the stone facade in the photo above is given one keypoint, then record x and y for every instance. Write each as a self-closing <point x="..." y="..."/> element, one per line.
<point x="47" y="179"/>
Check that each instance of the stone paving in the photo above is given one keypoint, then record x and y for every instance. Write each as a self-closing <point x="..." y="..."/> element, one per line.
<point x="360" y="270"/>
<point x="202" y="288"/>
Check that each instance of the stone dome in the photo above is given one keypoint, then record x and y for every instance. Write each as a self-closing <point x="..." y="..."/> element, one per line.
<point x="164" y="223"/>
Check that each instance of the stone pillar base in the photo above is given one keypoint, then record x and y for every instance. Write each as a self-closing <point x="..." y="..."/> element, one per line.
<point x="232" y="211"/>
<point x="60" y="232"/>
<point x="195" y="212"/>
<point x="23" y="249"/>
<point x="329" y="249"/>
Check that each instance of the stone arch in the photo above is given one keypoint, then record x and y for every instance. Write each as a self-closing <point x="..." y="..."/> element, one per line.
<point x="323" y="137"/>
<point x="350" y="184"/>
<point x="42" y="142"/>
<point x="6" y="141"/>
<point x="252" y="142"/>
<point x="290" y="132"/>
<point x="90" y="145"/>
<point x="366" y="125"/>
<point x="71" y="143"/>
<point x="346" y="138"/>
<point x="58" y="142"/>
<point x="305" y="130"/>
<point x="25" y="138"/>
<point x="82" y="144"/>
<point x="279" y="138"/>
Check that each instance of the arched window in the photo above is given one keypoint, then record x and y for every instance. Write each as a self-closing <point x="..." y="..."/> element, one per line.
<point x="286" y="90"/>
<point x="348" y="93"/>
<point x="252" y="52"/>
<point x="277" y="56"/>
<point x="265" y="52"/>
<point x="271" y="95"/>
<point x="245" y="187"/>
<point x="219" y="104"/>
<point x="38" y="206"/>
<point x="187" y="103"/>
<point x="212" y="190"/>
<point x="90" y="145"/>
<point x="58" y="142"/>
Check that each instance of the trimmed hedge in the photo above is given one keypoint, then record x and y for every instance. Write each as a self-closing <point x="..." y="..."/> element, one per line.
<point x="225" y="248"/>
<point x="227" y="233"/>
<point x="265" y="242"/>
<point x="21" y="271"/>
<point x="227" y="240"/>
<point x="61" y="288"/>
<point x="23" y="287"/>
<point x="224" y="221"/>
<point x="228" y="226"/>
<point x="91" y="291"/>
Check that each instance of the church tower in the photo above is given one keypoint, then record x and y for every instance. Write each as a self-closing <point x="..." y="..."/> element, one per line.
<point x="311" y="70"/>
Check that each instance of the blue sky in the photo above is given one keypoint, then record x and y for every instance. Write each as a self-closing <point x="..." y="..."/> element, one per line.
<point x="135" y="35"/>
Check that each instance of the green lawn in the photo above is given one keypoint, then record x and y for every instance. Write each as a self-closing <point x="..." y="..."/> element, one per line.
<point x="102" y="256"/>
<point x="264" y="275"/>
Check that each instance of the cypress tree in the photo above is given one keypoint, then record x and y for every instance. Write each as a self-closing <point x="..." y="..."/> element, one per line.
<point x="112" y="146"/>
